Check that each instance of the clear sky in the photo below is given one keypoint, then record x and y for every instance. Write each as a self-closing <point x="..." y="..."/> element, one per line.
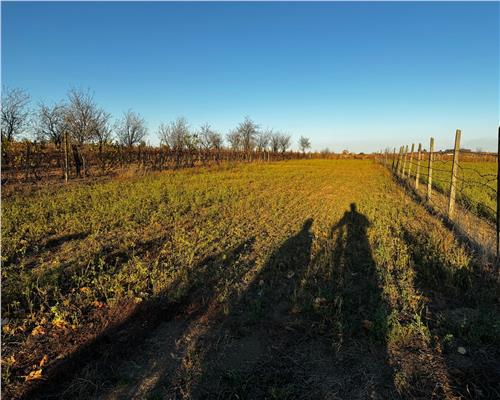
<point x="361" y="76"/>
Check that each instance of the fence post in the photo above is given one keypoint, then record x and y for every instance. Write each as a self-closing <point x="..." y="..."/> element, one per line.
<point x="498" y="201"/>
<point x="393" y="159"/>
<point x="417" y="173"/>
<point x="429" y="172"/>
<point x="399" y="164"/>
<point x="411" y="159"/>
<point x="454" y="173"/>
<point x="404" y="162"/>
<point x="66" y="156"/>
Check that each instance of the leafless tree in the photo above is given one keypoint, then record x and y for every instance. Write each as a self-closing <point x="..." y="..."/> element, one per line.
<point x="208" y="138"/>
<point x="235" y="141"/>
<point x="175" y="135"/>
<point x="15" y="113"/>
<point x="131" y="129"/>
<point x="84" y="120"/>
<point x="248" y="131"/>
<point x="263" y="139"/>
<point x="274" y="141"/>
<point x="304" y="144"/>
<point x="50" y="122"/>
<point x="103" y="133"/>
<point x="284" y="142"/>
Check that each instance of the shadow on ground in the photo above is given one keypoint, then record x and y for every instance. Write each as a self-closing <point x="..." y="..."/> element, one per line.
<point x="306" y="324"/>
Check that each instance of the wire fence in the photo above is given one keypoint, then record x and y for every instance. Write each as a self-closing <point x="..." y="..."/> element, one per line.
<point x="459" y="185"/>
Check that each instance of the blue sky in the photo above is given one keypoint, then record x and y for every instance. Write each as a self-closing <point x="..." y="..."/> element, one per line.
<point x="361" y="76"/>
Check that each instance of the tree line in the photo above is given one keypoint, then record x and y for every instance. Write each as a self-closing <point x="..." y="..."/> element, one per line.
<point x="85" y="122"/>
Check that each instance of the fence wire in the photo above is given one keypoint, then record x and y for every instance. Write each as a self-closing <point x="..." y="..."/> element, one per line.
<point x="475" y="186"/>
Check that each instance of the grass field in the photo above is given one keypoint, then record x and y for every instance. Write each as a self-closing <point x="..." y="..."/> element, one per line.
<point x="301" y="279"/>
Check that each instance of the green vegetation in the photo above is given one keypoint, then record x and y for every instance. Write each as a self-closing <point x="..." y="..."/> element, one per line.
<point x="267" y="272"/>
<point x="476" y="184"/>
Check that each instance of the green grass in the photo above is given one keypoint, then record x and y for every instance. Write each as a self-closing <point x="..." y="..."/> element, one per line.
<point x="257" y="238"/>
<point x="476" y="184"/>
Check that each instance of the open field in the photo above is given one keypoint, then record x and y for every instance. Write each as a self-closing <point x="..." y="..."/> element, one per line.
<point x="302" y="279"/>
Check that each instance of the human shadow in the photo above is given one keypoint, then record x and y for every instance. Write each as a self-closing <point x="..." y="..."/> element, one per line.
<point x="93" y="368"/>
<point x="359" y="306"/>
<point x="242" y="350"/>
<point x="273" y="342"/>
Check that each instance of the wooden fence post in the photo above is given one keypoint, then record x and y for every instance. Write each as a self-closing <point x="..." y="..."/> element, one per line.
<point x="417" y="172"/>
<point x="66" y="156"/>
<point x="454" y="174"/>
<point x="399" y="163"/>
<point x="429" y="170"/>
<point x="411" y="159"/>
<point x="393" y="159"/>
<point x="404" y="161"/>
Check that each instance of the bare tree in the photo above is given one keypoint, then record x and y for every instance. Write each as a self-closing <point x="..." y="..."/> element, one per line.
<point x="304" y="144"/>
<point x="50" y="123"/>
<point x="263" y="140"/>
<point x="102" y="132"/>
<point x="274" y="141"/>
<point x="235" y="141"/>
<point x="176" y="134"/>
<point x="131" y="129"/>
<point x="15" y="113"/>
<point x="284" y="142"/>
<point x="208" y="138"/>
<point x="84" y="119"/>
<point x="248" y="131"/>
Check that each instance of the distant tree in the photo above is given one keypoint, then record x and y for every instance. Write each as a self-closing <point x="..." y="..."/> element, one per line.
<point x="175" y="135"/>
<point x="15" y="113"/>
<point x="248" y="131"/>
<point x="235" y="140"/>
<point x="209" y="139"/>
<point x="50" y="123"/>
<point x="131" y="129"/>
<point x="102" y="132"/>
<point x="274" y="141"/>
<point x="84" y="120"/>
<point x="304" y="144"/>
<point x="263" y="139"/>
<point x="285" y="142"/>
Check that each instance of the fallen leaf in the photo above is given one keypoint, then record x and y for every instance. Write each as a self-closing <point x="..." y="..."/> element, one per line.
<point x="461" y="350"/>
<point x="38" y="330"/>
<point x="98" y="304"/>
<point x="85" y="290"/>
<point x="11" y="360"/>
<point x="33" y="375"/>
<point x="59" y="323"/>
<point x="44" y="360"/>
